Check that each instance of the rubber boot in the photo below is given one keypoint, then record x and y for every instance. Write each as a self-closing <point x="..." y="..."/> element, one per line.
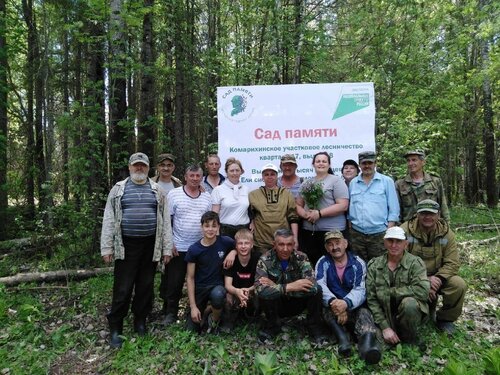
<point x="116" y="329"/>
<point x="369" y="349"/>
<point x="140" y="326"/>
<point x="342" y="338"/>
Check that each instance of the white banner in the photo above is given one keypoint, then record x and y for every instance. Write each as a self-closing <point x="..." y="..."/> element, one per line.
<point x="259" y="124"/>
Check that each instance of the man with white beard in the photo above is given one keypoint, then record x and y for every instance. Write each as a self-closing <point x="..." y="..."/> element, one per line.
<point x="136" y="233"/>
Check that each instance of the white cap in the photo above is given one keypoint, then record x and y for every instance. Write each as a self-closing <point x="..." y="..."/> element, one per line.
<point x="395" y="232"/>
<point x="270" y="166"/>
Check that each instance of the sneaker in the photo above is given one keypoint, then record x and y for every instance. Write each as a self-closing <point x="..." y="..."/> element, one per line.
<point x="169" y="319"/>
<point x="212" y="325"/>
<point x="446" y="327"/>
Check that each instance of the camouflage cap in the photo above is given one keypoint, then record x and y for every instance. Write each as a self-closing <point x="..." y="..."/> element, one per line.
<point x="336" y="234"/>
<point x="415" y="152"/>
<point x="367" y="156"/>
<point x="163" y="157"/>
<point x="138" y="157"/>
<point x="428" y="205"/>
<point x="288" y="158"/>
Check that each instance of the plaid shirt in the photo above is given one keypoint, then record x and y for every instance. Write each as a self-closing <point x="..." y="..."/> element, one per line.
<point x="298" y="268"/>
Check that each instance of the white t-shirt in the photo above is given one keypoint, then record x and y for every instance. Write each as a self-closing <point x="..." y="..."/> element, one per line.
<point x="186" y="212"/>
<point x="233" y="203"/>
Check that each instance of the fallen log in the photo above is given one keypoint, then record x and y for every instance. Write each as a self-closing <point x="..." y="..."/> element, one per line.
<point x="477" y="227"/>
<point x="486" y="241"/>
<point x="29" y="244"/>
<point x="53" y="276"/>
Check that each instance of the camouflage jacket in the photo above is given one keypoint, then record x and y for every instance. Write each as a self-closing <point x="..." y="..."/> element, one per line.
<point x="298" y="268"/>
<point x="409" y="280"/>
<point x="438" y="250"/>
<point x="410" y="194"/>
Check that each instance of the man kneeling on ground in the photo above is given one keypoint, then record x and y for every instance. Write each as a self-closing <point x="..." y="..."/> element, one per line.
<point x="286" y="286"/>
<point x="341" y="276"/>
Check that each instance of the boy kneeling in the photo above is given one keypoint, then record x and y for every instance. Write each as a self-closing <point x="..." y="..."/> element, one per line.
<point x="239" y="280"/>
<point x="204" y="274"/>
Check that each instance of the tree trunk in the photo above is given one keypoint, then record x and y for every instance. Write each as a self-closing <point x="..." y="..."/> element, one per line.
<point x="30" y="138"/>
<point x="118" y="125"/>
<point x="4" y="89"/>
<point x="147" y="133"/>
<point x="66" y="112"/>
<point x="62" y="275"/>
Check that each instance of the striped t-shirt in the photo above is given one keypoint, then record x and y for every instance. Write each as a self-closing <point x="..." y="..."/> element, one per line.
<point x="186" y="213"/>
<point x="139" y="210"/>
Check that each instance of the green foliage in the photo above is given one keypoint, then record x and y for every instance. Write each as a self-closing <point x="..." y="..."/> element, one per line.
<point x="492" y="362"/>
<point x="266" y="363"/>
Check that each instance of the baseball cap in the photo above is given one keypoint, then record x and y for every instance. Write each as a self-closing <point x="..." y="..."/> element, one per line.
<point x="288" y="158"/>
<point x="395" y="232"/>
<point x="428" y="205"/>
<point x="336" y="234"/>
<point x="415" y="152"/>
<point x="163" y="157"/>
<point x="367" y="156"/>
<point x="138" y="157"/>
<point x="270" y="166"/>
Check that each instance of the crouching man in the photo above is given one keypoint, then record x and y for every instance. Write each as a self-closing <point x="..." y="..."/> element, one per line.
<point x="341" y="276"/>
<point x="397" y="290"/>
<point x="286" y="286"/>
<point x="430" y="238"/>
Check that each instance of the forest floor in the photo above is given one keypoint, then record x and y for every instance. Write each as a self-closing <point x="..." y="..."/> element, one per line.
<point x="60" y="328"/>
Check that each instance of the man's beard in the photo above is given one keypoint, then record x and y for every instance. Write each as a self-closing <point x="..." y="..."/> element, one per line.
<point x="139" y="178"/>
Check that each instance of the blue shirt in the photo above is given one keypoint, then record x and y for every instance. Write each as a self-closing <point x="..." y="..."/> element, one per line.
<point x="208" y="260"/>
<point x="351" y="289"/>
<point x="372" y="206"/>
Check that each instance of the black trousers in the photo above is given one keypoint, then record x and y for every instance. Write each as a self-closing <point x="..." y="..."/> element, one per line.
<point x="136" y="274"/>
<point x="172" y="282"/>
<point x="289" y="306"/>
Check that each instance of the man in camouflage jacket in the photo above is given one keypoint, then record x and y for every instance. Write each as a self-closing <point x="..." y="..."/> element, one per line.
<point x="397" y="290"/>
<point x="431" y="239"/>
<point x="286" y="286"/>
<point x="419" y="185"/>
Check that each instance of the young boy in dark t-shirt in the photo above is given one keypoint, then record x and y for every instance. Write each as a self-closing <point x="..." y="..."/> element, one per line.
<point x="239" y="280"/>
<point x="205" y="281"/>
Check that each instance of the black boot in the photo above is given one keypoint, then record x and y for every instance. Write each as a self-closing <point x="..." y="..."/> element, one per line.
<point x="140" y="326"/>
<point x="342" y="338"/>
<point x="272" y="325"/>
<point x="369" y="349"/>
<point x="116" y="329"/>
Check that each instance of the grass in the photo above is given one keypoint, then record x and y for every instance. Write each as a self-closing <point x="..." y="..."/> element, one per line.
<point x="61" y="329"/>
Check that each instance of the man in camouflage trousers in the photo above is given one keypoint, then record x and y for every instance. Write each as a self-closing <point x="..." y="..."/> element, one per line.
<point x="286" y="286"/>
<point x="341" y="276"/>
<point x="430" y="238"/>
<point x="397" y="289"/>
<point x="417" y="186"/>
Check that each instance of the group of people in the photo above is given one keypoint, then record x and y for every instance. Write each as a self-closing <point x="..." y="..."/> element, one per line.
<point x="329" y="245"/>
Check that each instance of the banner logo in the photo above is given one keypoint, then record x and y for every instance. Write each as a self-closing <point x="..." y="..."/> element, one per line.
<point x="237" y="105"/>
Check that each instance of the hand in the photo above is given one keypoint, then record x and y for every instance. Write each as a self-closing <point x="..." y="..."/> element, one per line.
<point x="390" y="336"/>
<point x="166" y="259"/>
<point x="107" y="258"/>
<point x="195" y="314"/>
<point x="436" y="283"/>
<point x="251" y="226"/>
<point x="342" y="318"/>
<point x="175" y="253"/>
<point x="229" y="261"/>
<point x="296" y="245"/>
<point x="242" y="295"/>
<point x="313" y="216"/>
<point x="266" y="281"/>
<point x="302" y="285"/>
<point x="338" y="306"/>
<point x="432" y="296"/>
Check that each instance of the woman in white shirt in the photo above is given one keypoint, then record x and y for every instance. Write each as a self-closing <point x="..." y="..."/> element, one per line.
<point x="230" y="200"/>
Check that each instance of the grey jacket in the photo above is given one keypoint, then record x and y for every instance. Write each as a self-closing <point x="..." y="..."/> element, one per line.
<point x="111" y="235"/>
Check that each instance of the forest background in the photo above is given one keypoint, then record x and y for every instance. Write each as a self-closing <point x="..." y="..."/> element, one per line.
<point x="85" y="83"/>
